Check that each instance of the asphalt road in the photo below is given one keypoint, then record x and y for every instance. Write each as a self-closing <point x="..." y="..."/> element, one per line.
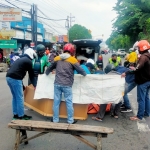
<point x="128" y="135"/>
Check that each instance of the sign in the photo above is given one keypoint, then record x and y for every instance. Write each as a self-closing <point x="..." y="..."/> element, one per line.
<point x="10" y="33"/>
<point x="32" y="44"/>
<point x="19" y="35"/>
<point x="61" y="38"/>
<point x="8" y="44"/>
<point x="5" y="25"/>
<point x="10" y="14"/>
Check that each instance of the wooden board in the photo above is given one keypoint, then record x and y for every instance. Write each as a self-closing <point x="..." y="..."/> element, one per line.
<point x="29" y="125"/>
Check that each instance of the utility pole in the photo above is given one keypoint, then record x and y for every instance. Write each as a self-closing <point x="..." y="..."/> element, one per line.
<point x="68" y="24"/>
<point x="34" y="23"/>
<point x="71" y="17"/>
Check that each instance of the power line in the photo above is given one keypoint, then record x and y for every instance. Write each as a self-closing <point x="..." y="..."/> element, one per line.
<point x="51" y="9"/>
<point x="47" y="16"/>
<point x="60" y="7"/>
<point x="23" y="2"/>
<point x="51" y="19"/>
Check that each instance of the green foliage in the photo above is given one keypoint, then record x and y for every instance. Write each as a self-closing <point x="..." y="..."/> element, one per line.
<point x="117" y="41"/>
<point x="79" y="32"/>
<point x="131" y="24"/>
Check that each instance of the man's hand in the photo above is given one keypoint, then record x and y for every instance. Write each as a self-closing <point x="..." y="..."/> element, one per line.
<point x="123" y="75"/>
<point x="132" y="68"/>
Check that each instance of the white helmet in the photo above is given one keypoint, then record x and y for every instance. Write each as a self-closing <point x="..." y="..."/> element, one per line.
<point x="31" y="53"/>
<point x="90" y="61"/>
<point x="135" y="46"/>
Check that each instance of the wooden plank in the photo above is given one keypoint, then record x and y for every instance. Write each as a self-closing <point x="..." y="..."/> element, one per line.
<point x="37" y="124"/>
<point x="88" y="128"/>
<point x="32" y="125"/>
<point x="85" y="141"/>
<point x="99" y="142"/>
<point x="17" y="142"/>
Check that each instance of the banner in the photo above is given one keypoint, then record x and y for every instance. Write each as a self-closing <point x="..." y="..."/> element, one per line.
<point x="10" y="14"/>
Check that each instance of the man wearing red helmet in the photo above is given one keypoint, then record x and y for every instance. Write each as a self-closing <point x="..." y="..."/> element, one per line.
<point x="65" y="64"/>
<point x="142" y="78"/>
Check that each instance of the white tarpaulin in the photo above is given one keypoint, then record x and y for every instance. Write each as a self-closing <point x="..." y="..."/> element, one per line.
<point x="99" y="89"/>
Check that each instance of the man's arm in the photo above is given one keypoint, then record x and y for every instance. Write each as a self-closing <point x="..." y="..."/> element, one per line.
<point x="51" y="67"/>
<point x="31" y="74"/>
<point x="79" y="69"/>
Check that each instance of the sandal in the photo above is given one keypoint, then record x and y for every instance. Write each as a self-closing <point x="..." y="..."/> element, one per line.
<point x="116" y="117"/>
<point x="134" y="118"/>
<point x="97" y="119"/>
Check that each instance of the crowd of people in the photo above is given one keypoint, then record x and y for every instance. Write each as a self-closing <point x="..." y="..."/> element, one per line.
<point x="135" y="70"/>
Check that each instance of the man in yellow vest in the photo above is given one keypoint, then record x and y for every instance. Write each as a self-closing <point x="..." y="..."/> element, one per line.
<point x="131" y="59"/>
<point x="115" y="60"/>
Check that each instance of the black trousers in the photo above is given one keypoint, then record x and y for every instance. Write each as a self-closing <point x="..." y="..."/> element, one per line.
<point x="115" y="109"/>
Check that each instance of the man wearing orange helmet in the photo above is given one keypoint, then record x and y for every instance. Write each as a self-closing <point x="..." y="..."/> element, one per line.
<point x="142" y="78"/>
<point x="65" y="64"/>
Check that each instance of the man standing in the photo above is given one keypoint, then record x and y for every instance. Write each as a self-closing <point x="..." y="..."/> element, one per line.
<point x="14" y="78"/>
<point x="65" y="65"/>
<point x="142" y="78"/>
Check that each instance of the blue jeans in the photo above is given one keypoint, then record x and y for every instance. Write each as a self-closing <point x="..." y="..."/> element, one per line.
<point x="128" y="87"/>
<point x="67" y="90"/>
<point x="143" y="91"/>
<point x="16" y="89"/>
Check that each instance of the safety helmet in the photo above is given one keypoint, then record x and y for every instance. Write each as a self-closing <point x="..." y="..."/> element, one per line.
<point x="40" y="49"/>
<point x="109" y="68"/>
<point x="69" y="48"/>
<point x="131" y="50"/>
<point x="31" y="53"/>
<point x="135" y="46"/>
<point x="143" y="45"/>
<point x="113" y="55"/>
<point x="90" y="61"/>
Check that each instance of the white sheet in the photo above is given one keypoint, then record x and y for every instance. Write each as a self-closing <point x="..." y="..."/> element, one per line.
<point x="98" y="89"/>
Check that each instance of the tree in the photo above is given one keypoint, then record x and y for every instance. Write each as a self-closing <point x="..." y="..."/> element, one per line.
<point x="117" y="41"/>
<point x="79" y="32"/>
<point x="132" y="23"/>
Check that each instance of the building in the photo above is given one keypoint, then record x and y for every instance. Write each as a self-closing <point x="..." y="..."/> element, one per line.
<point x="23" y="32"/>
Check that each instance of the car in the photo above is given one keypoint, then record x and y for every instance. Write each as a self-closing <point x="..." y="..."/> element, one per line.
<point x="121" y="52"/>
<point x="88" y="48"/>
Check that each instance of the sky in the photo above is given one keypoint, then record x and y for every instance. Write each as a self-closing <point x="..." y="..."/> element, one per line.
<point x="96" y="15"/>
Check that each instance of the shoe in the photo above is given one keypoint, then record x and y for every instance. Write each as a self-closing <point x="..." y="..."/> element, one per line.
<point x="75" y="121"/>
<point x="25" y="117"/>
<point x="15" y="117"/>
<point x="51" y="119"/>
<point x="122" y="106"/>
<point x="126" y="110"/>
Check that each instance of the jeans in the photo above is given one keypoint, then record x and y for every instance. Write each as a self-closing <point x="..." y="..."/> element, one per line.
<point x="128" y="87"/>
<point x="67" y="90"/>
<point x="16" y="89"/>
<point x="143" y="91"/>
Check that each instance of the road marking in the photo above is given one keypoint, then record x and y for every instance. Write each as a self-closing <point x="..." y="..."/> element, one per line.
<point x="143" y="127"/>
